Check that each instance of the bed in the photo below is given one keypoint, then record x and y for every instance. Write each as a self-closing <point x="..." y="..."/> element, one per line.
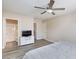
<point x="58" y="50"/>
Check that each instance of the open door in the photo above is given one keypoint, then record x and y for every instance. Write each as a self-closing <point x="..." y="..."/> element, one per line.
<point x="35" y="28"/>
<point x="11" y="33"/>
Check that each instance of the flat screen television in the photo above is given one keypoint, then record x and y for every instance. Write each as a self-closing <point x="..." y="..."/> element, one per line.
<point x="26" y="33"/>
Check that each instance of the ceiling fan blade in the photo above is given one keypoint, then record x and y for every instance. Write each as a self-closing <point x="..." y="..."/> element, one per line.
<point x="39" y="7"/>
<point x="51" y="3"/>
<point x="53" y="13"/>
<point x="58" y="9"/>
<point x="43" y="12"/>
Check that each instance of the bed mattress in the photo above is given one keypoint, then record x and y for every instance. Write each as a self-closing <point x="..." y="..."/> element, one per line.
<point x="58" y="50"/>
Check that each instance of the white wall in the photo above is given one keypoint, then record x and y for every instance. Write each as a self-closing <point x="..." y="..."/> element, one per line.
<point x="24" y="23"/>
<point x="62" y="28"/>
<point x="56" y="29"/>
<point x="41" y="29"/>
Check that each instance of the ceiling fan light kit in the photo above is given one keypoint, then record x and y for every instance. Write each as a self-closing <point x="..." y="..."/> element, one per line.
<point x="49" y="9"/>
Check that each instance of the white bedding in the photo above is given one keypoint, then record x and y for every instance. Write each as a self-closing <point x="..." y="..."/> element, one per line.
<point x="61" y="50"/>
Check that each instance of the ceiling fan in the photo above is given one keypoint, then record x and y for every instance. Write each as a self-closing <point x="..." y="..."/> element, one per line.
<point x="49" y="8"/>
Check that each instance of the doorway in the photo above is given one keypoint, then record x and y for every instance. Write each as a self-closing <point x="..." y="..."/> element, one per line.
<point x="35" y="30"/>
<point x="11" y="34"/>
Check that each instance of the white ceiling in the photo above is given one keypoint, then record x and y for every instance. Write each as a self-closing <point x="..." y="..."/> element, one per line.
<point x="26" y="7"/>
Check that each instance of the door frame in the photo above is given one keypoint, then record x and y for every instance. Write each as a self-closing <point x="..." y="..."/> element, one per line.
<point x="17" y="27"/>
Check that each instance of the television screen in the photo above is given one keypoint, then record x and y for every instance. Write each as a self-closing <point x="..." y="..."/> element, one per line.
<point x="27" y="33"/>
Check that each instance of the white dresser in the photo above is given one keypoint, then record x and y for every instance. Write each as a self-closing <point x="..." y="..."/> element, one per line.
<point x="26" y="40"/>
